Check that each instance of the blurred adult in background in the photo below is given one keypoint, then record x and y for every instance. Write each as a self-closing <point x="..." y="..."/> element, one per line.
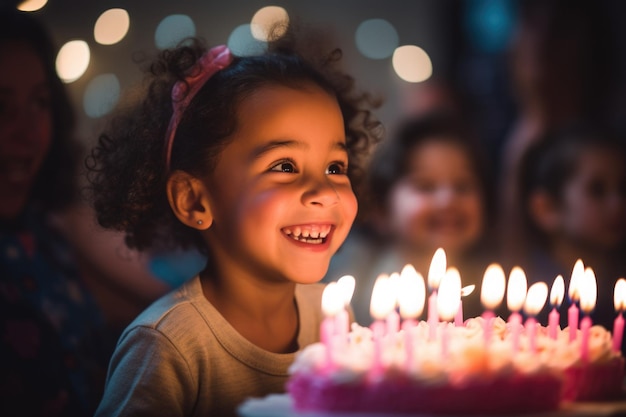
<point x="57" y="327"/>
<point x="573" y="198"/>
<point x="562" y="70"/>
<point x="426" y="188"/>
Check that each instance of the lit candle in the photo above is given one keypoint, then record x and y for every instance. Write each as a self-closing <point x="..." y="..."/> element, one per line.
<point x="332" y="303"/>
<point x="448" y="300"/>
<point x="588" y="295"/>
<point x="535" y="300"/>
<point x="491" y="295"/>
<point x="573" y="293"/>
<point x="465" y="291"/>
<point x="346" y="286"/>
<point x="619" y="300"/>
<point x="411" y="299"/>
<point x="557" y="292"/>
<point x="393" y="318"/>
<point x="435" y="273"/>
<point x="382" y="303"/>
<point x="515" y="296"/>
<point x="412" y="296"/>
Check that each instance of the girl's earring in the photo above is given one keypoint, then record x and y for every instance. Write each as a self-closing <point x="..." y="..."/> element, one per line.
<point x="199" y="222"/>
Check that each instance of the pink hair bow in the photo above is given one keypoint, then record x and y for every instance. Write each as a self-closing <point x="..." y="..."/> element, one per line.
<point x="184" y="91"/>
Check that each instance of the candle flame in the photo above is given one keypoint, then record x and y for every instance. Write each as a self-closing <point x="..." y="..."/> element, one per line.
<point x="449" y="295"/>
<point x="588" y="289"/>
<point x="383" y="299"/>
<point x="412" y="294"/>
<point x="332" y="299"/>
<point x="467" y="290"/>
<point x="557" y="292"/>
<point x="536" y="298"/>
<point x="492" y="289"/>
<point x="619" y="295"/>
<point x="573" y="292"/>
<point x="437" y="269"/>
<point x="516" y="289"/>
<point x="346" y="284"/>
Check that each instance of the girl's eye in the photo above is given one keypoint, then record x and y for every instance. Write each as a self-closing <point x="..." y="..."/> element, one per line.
<point x="284" y="166"/>
<point x="336" y="168"/>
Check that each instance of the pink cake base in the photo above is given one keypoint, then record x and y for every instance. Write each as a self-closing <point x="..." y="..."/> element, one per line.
<point x="497" y="396"/>
<point x="595" y="382"/>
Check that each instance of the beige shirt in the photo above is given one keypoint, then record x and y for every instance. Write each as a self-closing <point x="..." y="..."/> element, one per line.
<point x="180" y="357"/>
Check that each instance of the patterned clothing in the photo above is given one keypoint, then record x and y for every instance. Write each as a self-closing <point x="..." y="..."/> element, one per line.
<point x="53" y="344"/>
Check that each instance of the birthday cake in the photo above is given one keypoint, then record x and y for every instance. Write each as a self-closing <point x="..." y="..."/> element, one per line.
<point x="455" y="370"/>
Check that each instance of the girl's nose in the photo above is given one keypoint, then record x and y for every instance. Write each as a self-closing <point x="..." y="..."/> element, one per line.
<point x="320" y="192"/>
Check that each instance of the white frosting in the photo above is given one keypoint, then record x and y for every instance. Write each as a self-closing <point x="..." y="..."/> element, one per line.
<point x="454" y="355"/>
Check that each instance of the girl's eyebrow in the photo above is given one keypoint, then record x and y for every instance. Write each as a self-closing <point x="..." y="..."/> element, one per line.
<point x="275" y="144"/>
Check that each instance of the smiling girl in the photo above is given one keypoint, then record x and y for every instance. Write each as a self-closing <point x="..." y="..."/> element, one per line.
<point x="249" y="160"/>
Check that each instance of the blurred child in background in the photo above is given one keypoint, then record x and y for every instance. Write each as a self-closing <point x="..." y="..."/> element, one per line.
<point x="573" y="194"/>
<point x="426" y="188"/>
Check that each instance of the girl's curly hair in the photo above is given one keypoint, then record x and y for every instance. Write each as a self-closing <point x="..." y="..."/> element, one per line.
<point x="126" y="168"/>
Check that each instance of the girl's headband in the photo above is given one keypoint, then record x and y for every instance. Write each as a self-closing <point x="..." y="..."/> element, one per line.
<point x="185" y="90"/>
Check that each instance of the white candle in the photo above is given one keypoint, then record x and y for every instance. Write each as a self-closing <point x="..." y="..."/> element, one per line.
<point x="516" y="290"/>
<point x="491" y="295"/>
<point x="535" y="300"/>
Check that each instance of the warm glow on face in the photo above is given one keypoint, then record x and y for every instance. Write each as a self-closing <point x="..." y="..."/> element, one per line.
<point x="449" y="295"/>
<point x="412" y="294"/>
<point x="332" y="299"/>
<point x="619" y="295"/>
<point x="516" y="289"/>
<point x="577" y="273"/>
<point x="557" y="292"/>
<point x="492" y="289"/>
<point x="588" y="291"/>
<point x="383" y="299"/>
<point x="536" y="298"/>
<point x="437" y="269"/>
<point x="346" y="285"/>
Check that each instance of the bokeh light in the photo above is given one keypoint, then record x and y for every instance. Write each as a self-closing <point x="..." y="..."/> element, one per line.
<point x="31" y="5"/>
<point x="111" y="26"/>
<point x="412" y="63"/>
<point x="101" y="95"/>
<point x="242" y="43"/>
<point x="265" y="19"/>
<point x="172" y="30"/>
<point x="72" y="60"/>
<point x="489" y="23"/>
<point x="376" y="38"/>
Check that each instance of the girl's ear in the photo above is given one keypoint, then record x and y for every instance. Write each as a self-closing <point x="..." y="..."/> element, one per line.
<point x="190" y="200"/>
<point x="544" y="211"/>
